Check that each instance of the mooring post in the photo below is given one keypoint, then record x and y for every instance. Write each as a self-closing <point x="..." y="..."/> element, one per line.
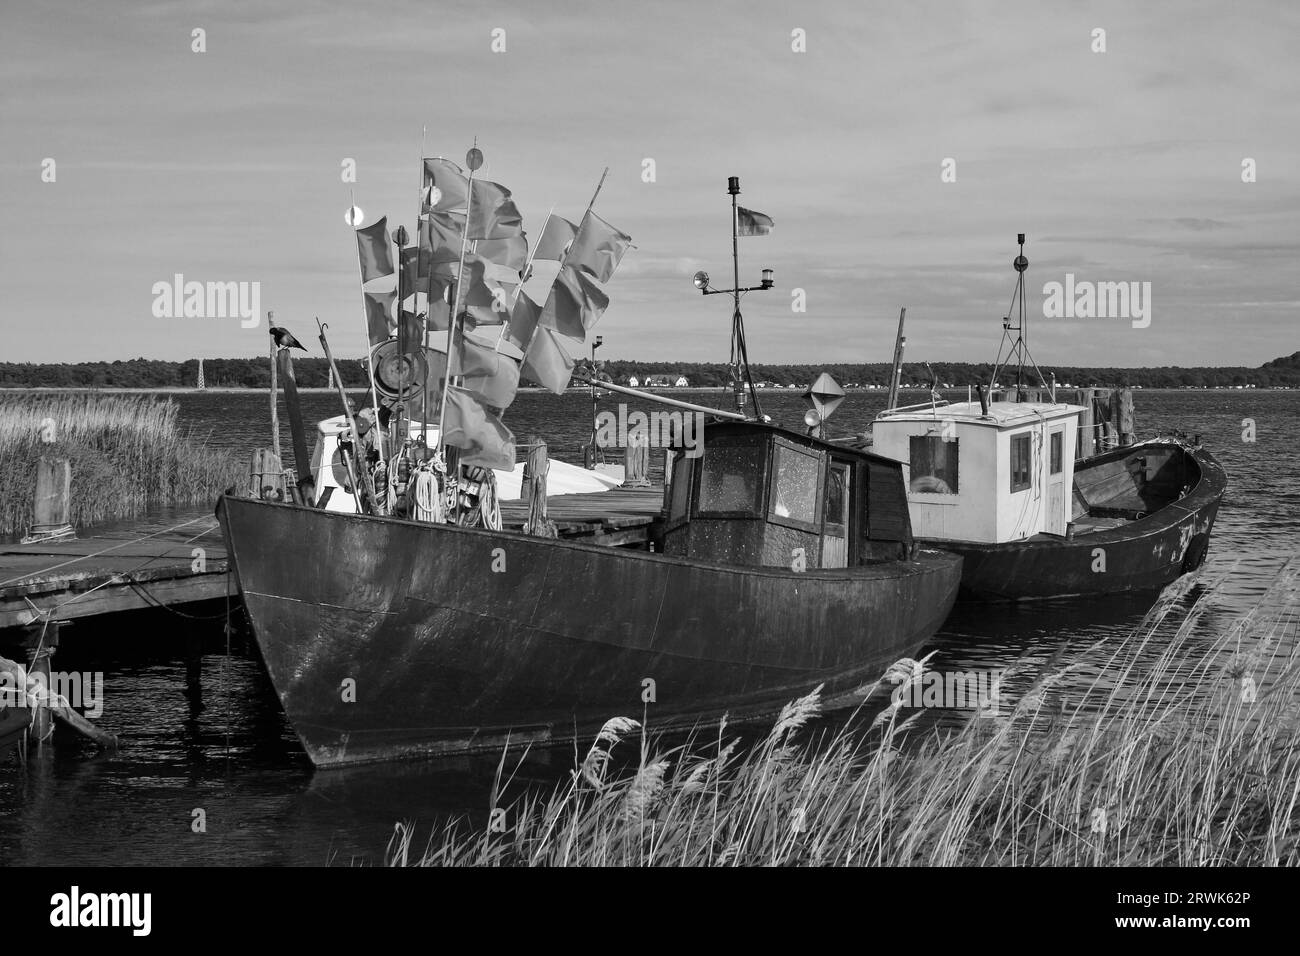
<point x="636" y="462"/>
<point x="52" y="507"/>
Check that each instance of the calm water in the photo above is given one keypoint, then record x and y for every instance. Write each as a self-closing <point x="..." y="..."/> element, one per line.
<point x="238" y="761"/>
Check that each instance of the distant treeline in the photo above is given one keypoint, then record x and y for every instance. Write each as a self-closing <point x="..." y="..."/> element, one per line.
<point x="256" y="373"/>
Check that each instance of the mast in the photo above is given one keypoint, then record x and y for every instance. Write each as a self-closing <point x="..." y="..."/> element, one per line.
<point x="899" y="342"/>
<point x="1019" y="346"/>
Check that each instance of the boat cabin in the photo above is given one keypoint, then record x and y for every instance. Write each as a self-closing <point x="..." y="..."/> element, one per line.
<point x="991" y="474"/>
<point x="762" y="496"/>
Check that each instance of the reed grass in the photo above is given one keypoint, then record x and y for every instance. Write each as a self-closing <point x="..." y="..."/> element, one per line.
<point x="1180" y="749"/>
<point x="127" y="452"/>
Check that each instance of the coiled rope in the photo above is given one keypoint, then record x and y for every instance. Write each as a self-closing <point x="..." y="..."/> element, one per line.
<point x="426" y="497"/>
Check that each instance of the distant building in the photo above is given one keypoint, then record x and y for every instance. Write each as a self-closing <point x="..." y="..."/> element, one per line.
<point x="659" y="381"/>
<point x="681" y="382"/>
<point x="633" y="381"/>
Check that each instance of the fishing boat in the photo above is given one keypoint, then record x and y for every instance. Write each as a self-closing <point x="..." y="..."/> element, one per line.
<point x="779" y="562"/>
<point x="1002" y="484"/>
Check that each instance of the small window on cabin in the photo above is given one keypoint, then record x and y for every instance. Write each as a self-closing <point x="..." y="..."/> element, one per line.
<point x="729" y="479"/>
<point x="1020" y="462"/>
<point x="1058" y="448"/>
<point x="680" y="493"/>
<point x="933" y="464"/>
<point x="794" y="484"/>
<point x="834" y="511"/>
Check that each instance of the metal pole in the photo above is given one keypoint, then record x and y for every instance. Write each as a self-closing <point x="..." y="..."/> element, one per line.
<point x="897" y="370"/>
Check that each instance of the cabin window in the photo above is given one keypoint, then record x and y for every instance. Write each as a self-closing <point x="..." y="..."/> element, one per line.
<point x="729" y="480"/>
<point x="933" y="464"/>
<point x="795" y="476"/>
<point x="1057" y="448"/>
<point x="835" y="512"/>
<point x="1020" y="460"/>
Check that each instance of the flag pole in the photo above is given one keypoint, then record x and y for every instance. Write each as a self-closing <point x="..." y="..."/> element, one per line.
<point x="455" y="306"/>
<point x="370" y="349"/>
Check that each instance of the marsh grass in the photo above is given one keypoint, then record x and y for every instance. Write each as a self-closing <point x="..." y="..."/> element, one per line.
<point x="127" y="452"/>
<point x="1181" y="749"/>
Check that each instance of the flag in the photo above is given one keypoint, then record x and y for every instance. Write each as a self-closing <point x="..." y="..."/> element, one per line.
<point x="486" y="304"/>
<point x="508" y="255"/>
<point x="556" y="236"/>
<point x="493" y="214"/>
<point x="440" y="241"/>
<point x="523" y="320"/>
<point x="411" y="282"/>
<point x="574" y="305"/>
<point x="485" y="372"/>
<point x="468" y="424"/>
<point x="451" y="183"/>
<point x="379" y="316"/>
<point x="413" y="326"/>
<point x="598" y="247"/>
<point x="750" y="223"/>
<point x="373" y="248"/>
<point x="547" y="363"/>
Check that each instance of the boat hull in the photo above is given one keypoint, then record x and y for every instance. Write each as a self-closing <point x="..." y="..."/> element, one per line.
<point x="1142" y="555"/>
<point x="390" y="639"/>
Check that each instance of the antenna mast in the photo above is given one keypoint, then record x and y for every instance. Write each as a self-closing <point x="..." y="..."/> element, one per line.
<point x="1019" y="346"/>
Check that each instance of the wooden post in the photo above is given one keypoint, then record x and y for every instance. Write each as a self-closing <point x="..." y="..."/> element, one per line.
<point x="1087" y="443"/>
<point x="636" y="462"/>
<point x="301" y="457"/>
<point x="535" y="469"/>
<point x="53" y="504"/>
<point x="1122" y="413"/>
<point x="275" y="398"/>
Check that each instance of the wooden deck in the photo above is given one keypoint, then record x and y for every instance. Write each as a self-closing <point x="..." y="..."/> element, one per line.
<point x="142" y="566"/>
<point x="617" y="517"/>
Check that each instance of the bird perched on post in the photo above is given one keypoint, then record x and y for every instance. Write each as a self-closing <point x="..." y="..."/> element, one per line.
<point x="284" y="338"/>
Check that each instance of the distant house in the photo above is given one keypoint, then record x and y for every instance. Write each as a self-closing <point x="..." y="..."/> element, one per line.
<point x="681" y="382"/>
<point x="659" y="381"/>
<point x="633" y="381"/>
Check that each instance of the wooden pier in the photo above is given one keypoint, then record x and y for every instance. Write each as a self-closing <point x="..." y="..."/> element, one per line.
<point x="150" y="565"/>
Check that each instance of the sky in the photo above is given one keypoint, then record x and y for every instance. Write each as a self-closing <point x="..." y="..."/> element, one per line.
<point x="227" y="165"/>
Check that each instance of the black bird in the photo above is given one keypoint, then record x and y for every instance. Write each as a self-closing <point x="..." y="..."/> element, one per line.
<point x="284" y="338"/>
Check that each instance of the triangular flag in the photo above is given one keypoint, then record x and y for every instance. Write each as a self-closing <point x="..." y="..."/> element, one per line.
<point x="468" y="424"/>
<point x="375" y="251"/>
<point x="598" y="247"/>
<point x="574" y="305"/>
<point x="750" y="223"/>
<point x="523" y="320"/>
<point x="379" y="316"/>
<point x="556" y="236"/>
<point x="547" y="363"/>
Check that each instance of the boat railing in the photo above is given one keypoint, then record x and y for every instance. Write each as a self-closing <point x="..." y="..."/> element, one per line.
<point x="909" y="408"/>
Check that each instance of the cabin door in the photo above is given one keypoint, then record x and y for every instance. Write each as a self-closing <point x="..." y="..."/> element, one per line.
<point x="835" y="533"/>
<point x="1056" y="495"/>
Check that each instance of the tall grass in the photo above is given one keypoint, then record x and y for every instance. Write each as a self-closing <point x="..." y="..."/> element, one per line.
<point x="126" y="451"/>
<point x="1168" y="755"/>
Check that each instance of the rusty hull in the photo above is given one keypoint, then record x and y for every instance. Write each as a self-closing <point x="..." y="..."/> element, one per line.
<point x="457" y="640"/>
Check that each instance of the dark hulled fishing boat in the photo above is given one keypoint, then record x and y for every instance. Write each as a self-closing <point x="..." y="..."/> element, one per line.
<point x="788" y="563"/>
<point x="397" y="618"/>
